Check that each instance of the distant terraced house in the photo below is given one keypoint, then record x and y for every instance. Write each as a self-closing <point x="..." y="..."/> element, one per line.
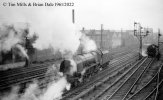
<point x="111" y="38"/>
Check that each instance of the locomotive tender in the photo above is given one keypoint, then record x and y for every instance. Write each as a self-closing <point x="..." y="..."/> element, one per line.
<point x="86" y="66"/>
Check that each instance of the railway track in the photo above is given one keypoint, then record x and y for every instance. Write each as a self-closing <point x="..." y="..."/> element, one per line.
<point x="24" y="75"/>
<point x="150" y="88"/>
<point x="143" y="79"/>
<point x="108" y="85"/>
<point x="154" y="94"/>
<point x="22" y="70"/>
<point x="100" y="78"/>
<point x="127" y="81"/>
<point x="114" y="52"/>
<point x="15" y="71"/>
<point x="110" y="89"/>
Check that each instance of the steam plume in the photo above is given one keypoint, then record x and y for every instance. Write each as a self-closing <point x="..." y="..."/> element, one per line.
<point x="87" y="44"/>
<point x="73" y="66"/>
<point x="53" y="91"/>
<point x="54" y="29"/>
<point x="10" y="38"/>
<point x="23" y="51"/>
<point x="144" y="53"/>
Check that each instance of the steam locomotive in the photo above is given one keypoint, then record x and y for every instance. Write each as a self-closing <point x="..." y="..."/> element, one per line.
<point x="86" y="66"/>
<point x="152" y="51"/>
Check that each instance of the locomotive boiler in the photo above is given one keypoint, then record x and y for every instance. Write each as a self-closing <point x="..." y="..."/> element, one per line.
<point x="86" y="65"/>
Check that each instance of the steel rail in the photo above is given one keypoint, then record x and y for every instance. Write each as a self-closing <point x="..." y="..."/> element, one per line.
<point x="23" y="70"/>
<point x="120" y="92"/>
<point x="105" y="90"/>
<point x="154" y="91"/>
<point x="25" y="79"/>
<point x="135" y="95"/>
<point x="138" y="79"/>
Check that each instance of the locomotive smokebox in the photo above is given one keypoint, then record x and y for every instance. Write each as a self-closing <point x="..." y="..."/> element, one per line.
<point x="68" y="66"/>
<point x="65" y="66"/>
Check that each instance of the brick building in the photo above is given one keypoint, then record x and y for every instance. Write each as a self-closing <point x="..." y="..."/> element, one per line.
<point x="111" y="38"/>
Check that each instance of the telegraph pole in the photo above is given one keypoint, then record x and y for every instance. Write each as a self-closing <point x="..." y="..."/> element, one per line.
<point x="73" y="16"/>
<point x="140" y="40"/>
<point x="101" y="46"/>
<point x="138" y="33"/>
<point x="158" y="39"/>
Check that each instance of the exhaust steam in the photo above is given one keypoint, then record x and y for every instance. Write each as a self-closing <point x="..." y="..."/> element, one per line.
<point x="54" y="29"/>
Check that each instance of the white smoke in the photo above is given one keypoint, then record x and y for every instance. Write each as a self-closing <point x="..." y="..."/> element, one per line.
<point x="73" y="67"/>
<point x="56" y="85"/>
<point x="146" y="44"/>
<point x="53" y="26"/>
<point x="22" y="50"/>
<point x="8" y="38"/>
<point x="144" y="53"/>
<point x="13" y="95"/>
<point x="11" y="37"/>
<point x="53" y="91"/>
<point x="87" y="44"/>
<point x="55" y="29"/>
<point x="30" y="93"/>
<point x="82" y="75"/>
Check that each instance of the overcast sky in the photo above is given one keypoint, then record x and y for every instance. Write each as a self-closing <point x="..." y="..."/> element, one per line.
<point x="113" y="14"/>
<point x="116" y="14"/>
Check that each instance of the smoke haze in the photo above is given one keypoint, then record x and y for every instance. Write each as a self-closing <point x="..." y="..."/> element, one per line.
<point x="55" y="29"/>
<point x="87" y="44"/>
<point x="53" y="90"/>
<point x="11" y="37"/>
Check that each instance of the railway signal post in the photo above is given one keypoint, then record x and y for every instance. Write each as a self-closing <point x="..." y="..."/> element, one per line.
<point x="138" y="33"/>
<point x="101" y="44"/>
<point x="158" y="77"/>
<point x="159" y="34"/>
